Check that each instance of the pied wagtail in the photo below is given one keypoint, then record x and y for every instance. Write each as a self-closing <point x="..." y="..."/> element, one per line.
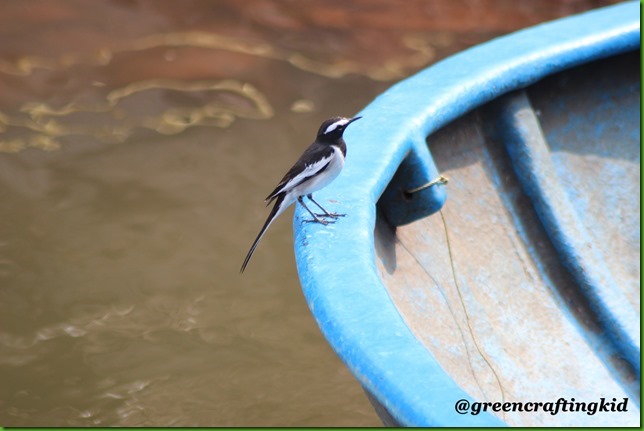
<point x="320" y="164"/>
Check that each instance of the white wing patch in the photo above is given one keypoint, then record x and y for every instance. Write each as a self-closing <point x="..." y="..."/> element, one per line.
<point x="339" y="123"/>
<point x="308" y="171"/>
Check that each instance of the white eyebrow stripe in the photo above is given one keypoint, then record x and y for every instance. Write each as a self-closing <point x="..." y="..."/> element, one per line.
<point x="335" y="125"/>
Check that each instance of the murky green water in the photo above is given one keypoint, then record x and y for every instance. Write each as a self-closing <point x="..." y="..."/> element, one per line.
<point x="137" y="142"/>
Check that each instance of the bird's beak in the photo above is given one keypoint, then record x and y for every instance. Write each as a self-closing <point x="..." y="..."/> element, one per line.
<point x="353" y="119"/>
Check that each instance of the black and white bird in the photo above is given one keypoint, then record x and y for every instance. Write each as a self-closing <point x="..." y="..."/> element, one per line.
<point x="320" y="164"/>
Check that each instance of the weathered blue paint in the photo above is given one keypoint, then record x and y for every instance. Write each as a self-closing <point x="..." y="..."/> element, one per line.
<point x="336" y="263"/>
<point x="529" y="150"/>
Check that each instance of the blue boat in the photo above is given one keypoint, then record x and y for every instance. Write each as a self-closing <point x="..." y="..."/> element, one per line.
<point x="488" y="270"/>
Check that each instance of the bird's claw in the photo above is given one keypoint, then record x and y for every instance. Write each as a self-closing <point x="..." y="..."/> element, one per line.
<point x="318" y="220"/>
<point x="332" y="215"/>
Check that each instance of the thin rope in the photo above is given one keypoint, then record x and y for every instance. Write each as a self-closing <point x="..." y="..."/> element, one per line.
<point x="440" y="180"/>
<point x="467" y="317"/>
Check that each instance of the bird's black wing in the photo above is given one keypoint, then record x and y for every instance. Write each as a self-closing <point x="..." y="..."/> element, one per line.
<point x="314" y="160"/>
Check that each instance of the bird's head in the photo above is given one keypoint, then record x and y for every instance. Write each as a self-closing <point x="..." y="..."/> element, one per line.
<point x="333" y="128"/>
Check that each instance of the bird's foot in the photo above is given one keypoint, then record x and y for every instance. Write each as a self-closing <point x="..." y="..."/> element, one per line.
<point x="319" y="220"/>
<point x="332" y="215"/>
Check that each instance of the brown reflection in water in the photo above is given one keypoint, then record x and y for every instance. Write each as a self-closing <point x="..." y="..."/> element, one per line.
<point x="176" y="120"/>
<point x="392" y="69"/>
<point x="120" y="298"/>
<point x="236" y="100"/>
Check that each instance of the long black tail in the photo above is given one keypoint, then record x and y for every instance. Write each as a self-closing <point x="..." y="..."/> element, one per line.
<point x="277" y="209"/>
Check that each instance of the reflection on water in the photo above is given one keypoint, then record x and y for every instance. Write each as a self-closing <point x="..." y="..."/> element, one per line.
<point x="232" y="100"/>
<point x="37" y="116"/>
<point x="384" y="72"/>
<point x="137" y="141"/>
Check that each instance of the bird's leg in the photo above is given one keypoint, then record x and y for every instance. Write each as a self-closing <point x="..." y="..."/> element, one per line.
<point x="315" y="217"/>
<point x="326" y="213"/>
